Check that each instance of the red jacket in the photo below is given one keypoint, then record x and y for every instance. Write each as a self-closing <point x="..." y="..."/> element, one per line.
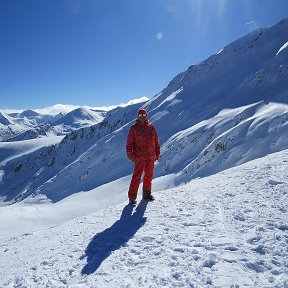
<point x="142" y="142"/>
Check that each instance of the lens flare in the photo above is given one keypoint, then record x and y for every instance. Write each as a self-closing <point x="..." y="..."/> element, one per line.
<point x="159" y="36"/>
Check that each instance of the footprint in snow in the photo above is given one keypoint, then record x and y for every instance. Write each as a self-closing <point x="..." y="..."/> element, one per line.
<point x="274" y="182"/>
<point x="258" y="266"/>
<point x="209" y="263"/>
<point x="231" y="248"/>
<point x="262" y="250"/>
<point x="179" y="249"/>
<point x="148" y="239"/>
<point x="282" y="227"/>
<point x="134" y="251"/>
<point x="253" y="240"/>
<point x="239" y="216"/>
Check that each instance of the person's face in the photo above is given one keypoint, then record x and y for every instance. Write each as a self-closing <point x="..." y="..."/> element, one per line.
<point x="142" y="116"/>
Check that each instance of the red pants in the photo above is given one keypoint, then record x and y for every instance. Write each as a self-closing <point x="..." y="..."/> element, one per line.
<point x="146" y="166"/>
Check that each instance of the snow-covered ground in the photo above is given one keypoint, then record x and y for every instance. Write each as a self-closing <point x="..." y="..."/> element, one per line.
<point x="226" y="230"/>
<point x="36" y="213"/>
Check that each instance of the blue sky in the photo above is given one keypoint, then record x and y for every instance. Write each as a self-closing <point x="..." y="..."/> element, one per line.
<point x="106" y="52"/>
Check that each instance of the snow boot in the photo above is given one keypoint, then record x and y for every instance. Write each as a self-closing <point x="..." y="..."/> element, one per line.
<point x="132" y="202"/>
<point x="148" y="196"/>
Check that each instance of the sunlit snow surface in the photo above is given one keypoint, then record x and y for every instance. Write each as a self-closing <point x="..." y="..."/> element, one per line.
<point x="225" y="230"/>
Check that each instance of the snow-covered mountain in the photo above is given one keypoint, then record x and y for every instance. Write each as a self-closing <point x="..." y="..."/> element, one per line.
<point x="222" y="112"/>
<point x="31" y="125"/>
<point x="13" y="126"/>
<point x="31" y="118"/>
<point x="81" y="117"/>
<point x="9" y="128"/>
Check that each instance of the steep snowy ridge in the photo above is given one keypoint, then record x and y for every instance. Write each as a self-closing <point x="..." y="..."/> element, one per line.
<point x="191" y="118"/>
<point x="231" y="143"/>
<point x="189" y="143"/>
<point x="223" y="77"/>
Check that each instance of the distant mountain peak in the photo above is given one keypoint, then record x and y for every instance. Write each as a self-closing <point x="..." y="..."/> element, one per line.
<point x="81" y="116"/>
<point x="29" y="113"/>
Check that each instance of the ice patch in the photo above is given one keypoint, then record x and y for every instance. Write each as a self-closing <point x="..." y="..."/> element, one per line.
<point x="1" y="175"/>
<point x="219" y="51"/>
<point x="282" y="48"/>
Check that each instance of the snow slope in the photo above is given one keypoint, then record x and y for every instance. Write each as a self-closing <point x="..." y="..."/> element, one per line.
<point x="12" y="150"/>
<point x="226" y="230"/>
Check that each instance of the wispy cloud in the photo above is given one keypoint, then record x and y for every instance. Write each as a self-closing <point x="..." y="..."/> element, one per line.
<point x="7" y="111"/>
<point x="66" y="108"/>
<point x="131" y="102"/>
<point x="56" y="109"/>
<point x="249" y="23"/>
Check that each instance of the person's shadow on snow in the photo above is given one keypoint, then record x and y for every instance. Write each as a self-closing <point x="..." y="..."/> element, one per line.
<point x="111" y="239"/>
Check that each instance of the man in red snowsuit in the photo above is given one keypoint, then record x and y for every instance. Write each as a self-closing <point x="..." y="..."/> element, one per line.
<point x="143" y="149"/>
